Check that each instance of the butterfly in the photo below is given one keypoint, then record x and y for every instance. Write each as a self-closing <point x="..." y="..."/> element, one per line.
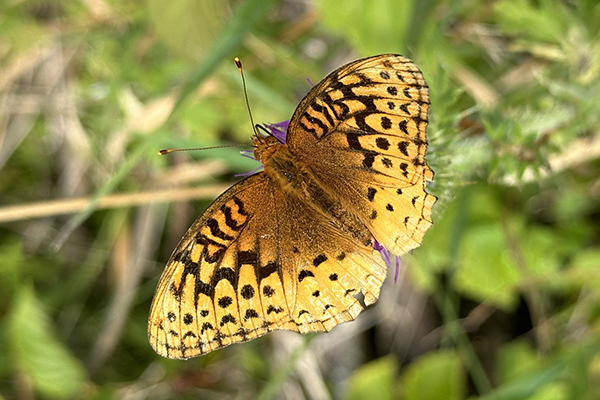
<point x="293" y="246"/>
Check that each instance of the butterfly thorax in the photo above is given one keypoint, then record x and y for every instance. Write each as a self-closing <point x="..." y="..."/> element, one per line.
<point x="300" y="183"/>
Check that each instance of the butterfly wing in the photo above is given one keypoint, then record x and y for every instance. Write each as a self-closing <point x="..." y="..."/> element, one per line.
<point x="362" y="130"/>
<point x="256" y="261"/>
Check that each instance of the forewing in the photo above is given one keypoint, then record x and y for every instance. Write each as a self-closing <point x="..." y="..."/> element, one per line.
<point x="362" y="131"/>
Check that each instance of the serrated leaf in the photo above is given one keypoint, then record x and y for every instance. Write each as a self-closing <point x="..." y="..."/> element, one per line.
<point x="44" y="360"/>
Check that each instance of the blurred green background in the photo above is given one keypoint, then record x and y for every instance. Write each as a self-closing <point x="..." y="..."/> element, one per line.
<point x="502" y="300"/>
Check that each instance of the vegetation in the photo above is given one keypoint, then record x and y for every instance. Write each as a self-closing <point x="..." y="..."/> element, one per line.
<point x="502" y="300"/>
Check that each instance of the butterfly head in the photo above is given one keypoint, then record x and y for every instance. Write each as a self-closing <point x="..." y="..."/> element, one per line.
<point x="265" y="147"/>
<point x="274" y="137"/>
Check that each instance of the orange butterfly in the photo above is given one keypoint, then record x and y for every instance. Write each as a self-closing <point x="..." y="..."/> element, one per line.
<point x="290" y="247"/>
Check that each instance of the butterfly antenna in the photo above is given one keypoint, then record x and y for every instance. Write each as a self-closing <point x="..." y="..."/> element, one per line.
<point x="238" y="63"/>
<point x="167" y="151"/>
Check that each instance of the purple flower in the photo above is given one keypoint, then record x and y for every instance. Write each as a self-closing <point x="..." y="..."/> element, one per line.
<point x="279" y="130"/>
<point x="388" y="257"/>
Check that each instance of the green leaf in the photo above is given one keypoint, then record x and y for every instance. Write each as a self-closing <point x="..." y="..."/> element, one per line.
<point x="585" y="268"/>
<point x="515" y="359"/>
<point x="540" y="248"/>
<point x="40" y="357"/>
<point x="436" y="376"/>
<point x="374" y="380"/>
<point x="486" y="271"/>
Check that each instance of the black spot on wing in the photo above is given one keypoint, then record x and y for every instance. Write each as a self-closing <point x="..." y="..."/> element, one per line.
<point x="369" y="159"/>
<point x="268" y="291"/>
<point x="382" y="143"/>
<point x="188" y="334"/>
<point x="304" y="274"/>
<point x="320" y="259"/>
<point x="227" y="319"/>
<point x="371" y="193"/>
<point x="403" y="125"/>
<point x="250" y="313"/>
<point x="207" y="326"/>
<point x="225" y="301"/>
<point x="403" y="147"/>
<point x="404" y="168"/>
<point x="272" y="309"/>
<point x="386" y="123"/>
<point x="247" y="292"/>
